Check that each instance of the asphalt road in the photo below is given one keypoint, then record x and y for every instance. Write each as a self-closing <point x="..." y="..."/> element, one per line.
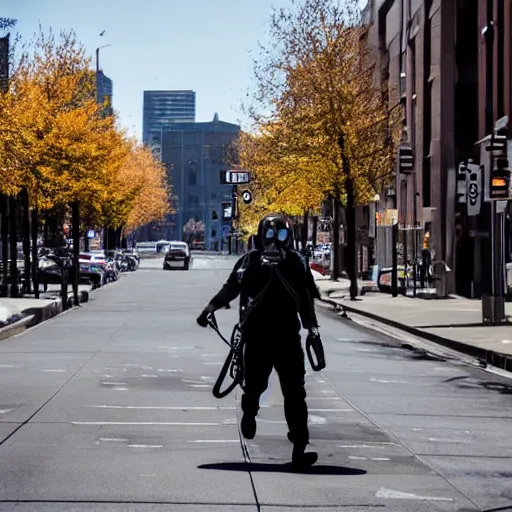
<point x="109" y="408"/>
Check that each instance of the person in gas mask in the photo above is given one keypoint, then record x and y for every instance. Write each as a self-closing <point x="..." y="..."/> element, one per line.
<point x="276" y="287"/>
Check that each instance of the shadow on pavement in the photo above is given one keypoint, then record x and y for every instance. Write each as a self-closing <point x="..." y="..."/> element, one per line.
<point x="282" y="468"/>
<point x="465" y="382"/>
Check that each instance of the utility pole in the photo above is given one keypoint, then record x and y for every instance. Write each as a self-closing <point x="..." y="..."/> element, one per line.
<point x="493" y="307"/>
<point x="98" y="101"/>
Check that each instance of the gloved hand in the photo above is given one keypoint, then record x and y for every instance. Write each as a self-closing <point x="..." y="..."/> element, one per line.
<point x="314" y="343"/>
<point x="202" y="319"/>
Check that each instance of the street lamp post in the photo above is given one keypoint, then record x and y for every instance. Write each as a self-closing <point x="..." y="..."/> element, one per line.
<point x="98" y="71"/>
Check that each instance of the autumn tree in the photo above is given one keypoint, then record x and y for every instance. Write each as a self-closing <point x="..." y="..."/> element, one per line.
<point x="151" y="199"/>
<point x="282" y="180"/>
<point x="317" y="80"/>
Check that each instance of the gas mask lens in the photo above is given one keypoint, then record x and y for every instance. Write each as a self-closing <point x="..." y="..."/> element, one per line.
<point x="282" y="235"/>
<point x="269" y="234"/>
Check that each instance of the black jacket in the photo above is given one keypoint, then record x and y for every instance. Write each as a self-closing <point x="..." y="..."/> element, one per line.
<point x="271" y="295"/>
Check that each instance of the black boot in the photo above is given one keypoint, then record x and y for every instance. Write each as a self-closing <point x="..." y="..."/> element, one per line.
<point x="248" y="422"/>
<point x="248" y="426"/>
<point x="301" y="459"/>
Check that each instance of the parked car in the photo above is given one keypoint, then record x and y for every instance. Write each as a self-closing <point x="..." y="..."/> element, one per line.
<point x="178" y="256"/>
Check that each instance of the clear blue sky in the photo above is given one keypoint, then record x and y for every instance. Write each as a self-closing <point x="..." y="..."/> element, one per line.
<point x="201" y="45"/>
<point x="161" y="44"/>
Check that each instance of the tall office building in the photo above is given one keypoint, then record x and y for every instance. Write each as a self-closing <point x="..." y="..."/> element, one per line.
<point x="105" y="92"/>
<point x="195" y="154"/>
<point x="162" y="108"/>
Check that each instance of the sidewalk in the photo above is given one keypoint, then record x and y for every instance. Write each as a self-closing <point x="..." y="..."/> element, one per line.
<point x="17" y="314"/>
<point x="455" y="323"/>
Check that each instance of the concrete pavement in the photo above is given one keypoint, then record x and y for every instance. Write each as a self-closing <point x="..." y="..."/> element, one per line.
<point x="455" y="322"/>
<point x="108" y="407"/>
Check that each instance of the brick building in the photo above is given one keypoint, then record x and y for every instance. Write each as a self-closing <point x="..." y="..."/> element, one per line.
<point x="431" y="58"/>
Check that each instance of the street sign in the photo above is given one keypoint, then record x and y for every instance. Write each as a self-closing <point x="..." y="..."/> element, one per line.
<point x="405" y="159"/>
<point x="227" y="210"/>
<point x="247" y="197"/>
<point x="474" y="183"/>
<point x="234" y="177"/>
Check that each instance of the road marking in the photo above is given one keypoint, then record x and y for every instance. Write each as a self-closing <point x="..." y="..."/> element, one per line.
<point x="113" y="383"/>
<point x="120" y="389"/>
<point x="148" y="475"/>
<point x="145" y="446"/>
<point x="168" y="370"/>
<point x="369" y="445"/>
<point x="212" y="364"/>
<point x="113" y="440"/>
<point x="380" y="458"/>
<point x="442" y="440"/>
<point x="200" y="385"/>
<point x="5" y="411"/>
<point x="215" y="441"/>
<point x="399" y="495"/>
<point x="356" y="458"/>
<point x="331" y="410"/>
<point x="317" y="420"/>
<point x="162" y="407"/>
<point x="54" y="371"/>
<point x="9" y="366"/>
<point x="139" y="366"/>
<point x="150" y="376"/>
<point x="145" y="423"/>
<point x="324" y="398"/>
<point x="388" y="381"/>
<point x="321" y="381"/>
<point x="506" y="341"/>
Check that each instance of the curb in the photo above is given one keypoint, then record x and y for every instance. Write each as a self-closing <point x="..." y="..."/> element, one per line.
<point x="489" y="357"/>
<point x="16" y="327"/>
<point x="34" y="316"/>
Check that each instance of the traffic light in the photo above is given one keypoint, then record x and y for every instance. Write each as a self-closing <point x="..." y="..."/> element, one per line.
<point x="500" y="179"/>
<point x="405" y="159"/>
<point x="498" y="142"/>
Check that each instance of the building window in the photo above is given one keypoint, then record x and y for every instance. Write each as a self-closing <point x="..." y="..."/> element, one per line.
<point x="192" y="178"/>
<point x="193" y="200"/>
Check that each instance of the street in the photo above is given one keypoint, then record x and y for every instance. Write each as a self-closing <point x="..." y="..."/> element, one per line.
<point x="108" y="407"/>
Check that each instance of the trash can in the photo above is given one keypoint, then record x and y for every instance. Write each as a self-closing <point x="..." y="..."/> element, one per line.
<point x="439" y="268"/>
<point x="493" y="310"/>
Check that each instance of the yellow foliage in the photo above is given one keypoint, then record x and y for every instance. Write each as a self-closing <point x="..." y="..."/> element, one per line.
<point x="55" y="143"/>
<point x="325" y="115"/>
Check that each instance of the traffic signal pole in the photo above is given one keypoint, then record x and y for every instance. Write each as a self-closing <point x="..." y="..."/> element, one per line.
<point x="493" y="307"/>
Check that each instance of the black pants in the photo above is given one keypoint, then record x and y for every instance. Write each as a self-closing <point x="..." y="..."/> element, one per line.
<point x="284" y="353"/>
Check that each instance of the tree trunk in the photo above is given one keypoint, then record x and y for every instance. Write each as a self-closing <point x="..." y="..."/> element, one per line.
<point x="4" y="205"/>
<point x="26" y="239"/>
<point x="35" y="260"/>
<point x="86" y="240"/>
<point x="351" y="239"/>
<point x="45" y="233"/>
<point x="351" y="260"/>
<point x="304" y="233"/>
<point x="75" y="215"/>
<point x="335" y="252"/>
<point x="315" y="230"/>
<point x="13" y="246"/>
<point x="118" y="232"/>
<point x="105" y="239"/>
<point x="64" y="286"/>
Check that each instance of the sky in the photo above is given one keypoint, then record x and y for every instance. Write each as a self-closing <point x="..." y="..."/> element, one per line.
<point x="203" y="45"/>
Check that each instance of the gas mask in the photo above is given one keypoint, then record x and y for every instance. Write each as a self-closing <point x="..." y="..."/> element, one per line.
<point x="274" y="237"/>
